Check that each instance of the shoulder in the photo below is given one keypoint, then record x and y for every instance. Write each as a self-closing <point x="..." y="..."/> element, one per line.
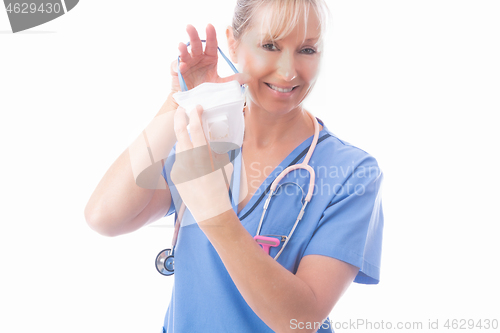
<point x="336" y="153"/>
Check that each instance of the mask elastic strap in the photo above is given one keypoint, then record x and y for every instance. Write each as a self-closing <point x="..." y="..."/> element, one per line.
<point x="181" y="79"/>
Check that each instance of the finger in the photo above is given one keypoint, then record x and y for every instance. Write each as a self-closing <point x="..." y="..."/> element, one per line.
<point x="196" y="47"/>
<point x="196" y="127"/>
<point x="184" y="53"/>
<point x="183" y="67"/>
<point x="181" y="132"/>
<point x="211" y="46"/>
<point x="173" y="68"/>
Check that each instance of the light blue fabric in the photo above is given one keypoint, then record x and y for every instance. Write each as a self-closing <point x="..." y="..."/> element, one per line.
<point x="344" y="220"/>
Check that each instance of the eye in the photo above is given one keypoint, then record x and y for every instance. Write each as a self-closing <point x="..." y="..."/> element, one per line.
<point x="270" y="47"/>
<point x="308" y="51"/>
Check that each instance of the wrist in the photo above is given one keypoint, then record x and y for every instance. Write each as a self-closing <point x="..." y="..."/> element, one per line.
<point x="205" y="196"/>
<point x="220" y="225"/>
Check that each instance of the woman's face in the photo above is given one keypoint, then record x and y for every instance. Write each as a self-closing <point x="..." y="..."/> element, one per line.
<point x="284" y="71"/>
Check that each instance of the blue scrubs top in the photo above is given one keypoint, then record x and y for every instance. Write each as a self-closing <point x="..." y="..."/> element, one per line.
<point x="343" y="220"/>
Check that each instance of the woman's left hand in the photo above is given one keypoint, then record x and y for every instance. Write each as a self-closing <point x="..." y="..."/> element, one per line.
<point x="200" y="175"/>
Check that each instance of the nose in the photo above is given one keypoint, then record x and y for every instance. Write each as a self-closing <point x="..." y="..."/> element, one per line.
<point x="286" y="66"/>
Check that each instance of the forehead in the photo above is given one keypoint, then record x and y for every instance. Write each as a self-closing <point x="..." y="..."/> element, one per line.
<point x="300" y="22"/>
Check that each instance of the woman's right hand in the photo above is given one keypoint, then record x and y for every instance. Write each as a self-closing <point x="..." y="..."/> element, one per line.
<point x="199" y="66"/>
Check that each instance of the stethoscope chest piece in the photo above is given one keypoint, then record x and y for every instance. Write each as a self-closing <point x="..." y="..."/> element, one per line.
<point x="165" y="262"/>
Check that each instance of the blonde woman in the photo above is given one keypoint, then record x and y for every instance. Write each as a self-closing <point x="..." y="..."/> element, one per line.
<point x="224" y="281"/>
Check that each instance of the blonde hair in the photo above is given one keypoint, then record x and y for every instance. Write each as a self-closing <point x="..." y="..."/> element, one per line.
<point x="286" y="14"/>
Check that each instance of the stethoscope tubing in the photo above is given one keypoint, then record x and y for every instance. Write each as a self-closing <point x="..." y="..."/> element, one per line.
<point x="304" y="165"/>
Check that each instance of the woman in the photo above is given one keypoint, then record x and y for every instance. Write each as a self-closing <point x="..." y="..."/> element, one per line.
<point x="224" y="281"/>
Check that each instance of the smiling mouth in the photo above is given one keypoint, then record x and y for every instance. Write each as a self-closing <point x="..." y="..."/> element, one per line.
<point x="281" y="90"/>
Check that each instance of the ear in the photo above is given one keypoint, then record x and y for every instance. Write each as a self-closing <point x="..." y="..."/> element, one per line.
<point x="232" y="44"/>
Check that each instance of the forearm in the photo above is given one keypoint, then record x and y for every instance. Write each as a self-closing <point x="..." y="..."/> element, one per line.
<point x="131" y="181"/>
<point x="274" y="294"/>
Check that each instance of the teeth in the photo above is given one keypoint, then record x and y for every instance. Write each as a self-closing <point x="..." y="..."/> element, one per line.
<point x="280" y="89"/>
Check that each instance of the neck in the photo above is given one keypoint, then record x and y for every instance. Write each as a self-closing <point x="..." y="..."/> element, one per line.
<point x="264" y="130"/>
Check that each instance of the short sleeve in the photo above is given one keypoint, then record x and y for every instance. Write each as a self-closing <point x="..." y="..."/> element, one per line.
<point x="350" y="228"/>
<point x="167" y="168"/>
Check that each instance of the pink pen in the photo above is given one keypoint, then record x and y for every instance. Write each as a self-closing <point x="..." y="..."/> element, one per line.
<point x="267" y="242"/>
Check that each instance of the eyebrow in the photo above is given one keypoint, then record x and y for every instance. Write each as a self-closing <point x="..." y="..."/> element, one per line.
<point x="264" y="36"/>
<point x="312" y="39"/>
<point x="315" y="40"/>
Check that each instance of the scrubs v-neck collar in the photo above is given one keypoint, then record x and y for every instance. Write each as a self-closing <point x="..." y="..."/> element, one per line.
<point x="293" y="158"/>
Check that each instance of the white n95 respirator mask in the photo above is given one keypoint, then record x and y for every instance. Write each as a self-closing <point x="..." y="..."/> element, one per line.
<point x="222" y="119"/>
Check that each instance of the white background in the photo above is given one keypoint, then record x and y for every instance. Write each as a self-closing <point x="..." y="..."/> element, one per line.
<point x="414" y="83"/>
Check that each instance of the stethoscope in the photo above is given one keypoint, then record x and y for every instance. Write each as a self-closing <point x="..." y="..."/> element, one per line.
<point x="165" y="259"/>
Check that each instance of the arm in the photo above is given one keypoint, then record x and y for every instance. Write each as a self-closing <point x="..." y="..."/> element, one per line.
<point x="123" y="202"/>
<point x="126" y="198"/>
<point x="276" y="295"/>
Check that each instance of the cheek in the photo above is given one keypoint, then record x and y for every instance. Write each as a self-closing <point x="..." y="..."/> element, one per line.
<point x="255" y="64"/>
<point x="309" y="70"/>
